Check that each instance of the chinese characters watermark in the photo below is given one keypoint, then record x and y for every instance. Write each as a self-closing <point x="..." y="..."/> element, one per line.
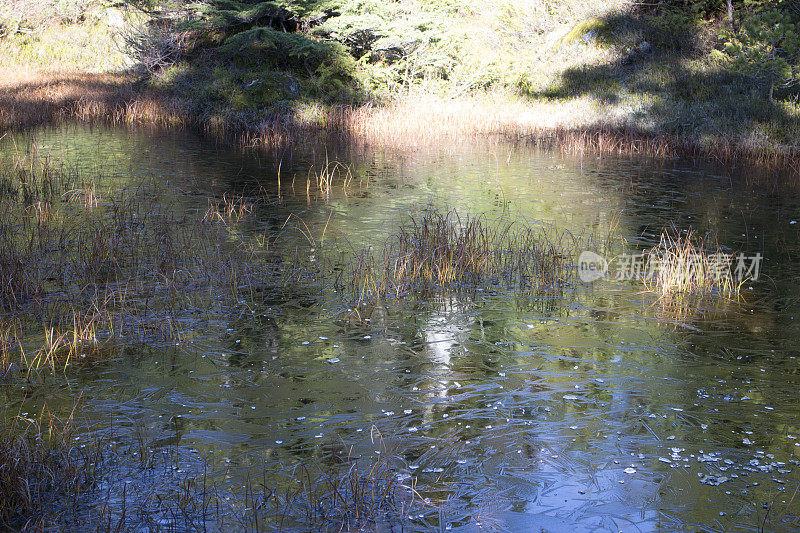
<point x="647" y="267"/>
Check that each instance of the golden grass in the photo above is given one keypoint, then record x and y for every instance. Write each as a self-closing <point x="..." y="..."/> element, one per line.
<point x="229" y="210"/>
<point x="91" y="338"/>
<point x="575" y="126"/>
<point x="685" y="265"/>
<point x="30" y="99"/>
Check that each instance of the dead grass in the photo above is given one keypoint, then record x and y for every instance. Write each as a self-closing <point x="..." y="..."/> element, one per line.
<point x="450" y="252"/>
<point x="682" y="264"/>
<point x="30" y="99"/>
<point x="41" y="476"/>
<point x="576" y="127"/>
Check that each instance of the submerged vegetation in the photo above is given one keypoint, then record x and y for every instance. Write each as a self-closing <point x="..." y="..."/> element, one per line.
<point x="52" y="476"/>
<point x="102" y="268"/>
<point x="87" y="268"/>
<point x="41" y="475"/>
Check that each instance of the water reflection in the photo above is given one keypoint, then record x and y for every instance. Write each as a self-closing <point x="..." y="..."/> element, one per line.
<point x="599" y="409"/>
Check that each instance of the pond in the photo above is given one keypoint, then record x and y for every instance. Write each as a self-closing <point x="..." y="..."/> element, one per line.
<point x="600" y="409"/>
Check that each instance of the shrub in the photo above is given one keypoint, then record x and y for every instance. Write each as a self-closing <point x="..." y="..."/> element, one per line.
<point x="25" y="16"/>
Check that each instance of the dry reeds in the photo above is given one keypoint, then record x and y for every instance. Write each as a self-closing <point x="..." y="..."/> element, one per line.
<point x="89" y="339"/>
<point x="31" y="99"/>
<point x="331" y="173"/>
<point x="39" y="472"/>
<point x="681" y="264"/>
<point x="28" y="99"/>
<point x="229" y="210"/>
<point x="447" y="251"/>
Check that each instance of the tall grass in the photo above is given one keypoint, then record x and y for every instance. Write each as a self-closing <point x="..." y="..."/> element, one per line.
<point x="683" y="264"/>
<point x="41" y="475"/>
<point x="448" y="251"/>
<point x="85" y="271"/>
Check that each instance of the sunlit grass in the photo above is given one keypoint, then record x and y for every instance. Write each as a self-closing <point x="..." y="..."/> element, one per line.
<point x="682" y="264"/>
<point x="445" y="251"/>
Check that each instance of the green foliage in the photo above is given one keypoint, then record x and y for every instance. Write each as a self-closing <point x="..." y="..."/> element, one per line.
<point x="673" y="28"/>
<point x="286" y="51"/>
<point x="767" y="48"/>
<point x="244" y="59"/>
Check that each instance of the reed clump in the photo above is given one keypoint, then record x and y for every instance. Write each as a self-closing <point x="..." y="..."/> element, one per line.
<point x="228" y="210"/>
<point x="41" y="475"/>
<point x="90" y="339"/>
<point x="682" y="264"/>
<point x="448" y="251"/>
<point x="331" y="173"/>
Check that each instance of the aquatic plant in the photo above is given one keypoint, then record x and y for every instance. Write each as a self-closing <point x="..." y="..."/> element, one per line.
<point x="90" y="339"/>
<point x="352" y="494"/>
<point x="683" y="264"/>
<point x="85" y="271"/>
<point x="448" y="251"/>
<point x="41" y="474"/>
<point x="229" y="210"/>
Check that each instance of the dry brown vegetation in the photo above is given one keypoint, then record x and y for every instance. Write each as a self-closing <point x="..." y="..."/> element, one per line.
<point x="29" y="99"/>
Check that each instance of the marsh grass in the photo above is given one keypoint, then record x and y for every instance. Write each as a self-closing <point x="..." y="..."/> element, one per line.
<point x="33" y="98"/>
<point x="683" y="264"/>
<point x="331" y="174"/>
<point x="41" y="476"/>
<point x="229" y="210"/>
<point x="167" y="487"/>
<point x="346" y="494"/>
<point x="91" y="339"/>
<point x="84" y="270"/>
<point x="446" y="251"/>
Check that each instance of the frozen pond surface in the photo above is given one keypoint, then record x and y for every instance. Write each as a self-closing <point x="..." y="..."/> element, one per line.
<point x="597" y="411"/>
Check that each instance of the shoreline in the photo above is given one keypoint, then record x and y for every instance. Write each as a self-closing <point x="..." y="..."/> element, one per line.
<point x="31" y="99"/>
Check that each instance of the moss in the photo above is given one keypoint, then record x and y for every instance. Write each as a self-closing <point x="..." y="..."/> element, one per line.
<point x="594" y="30"/>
